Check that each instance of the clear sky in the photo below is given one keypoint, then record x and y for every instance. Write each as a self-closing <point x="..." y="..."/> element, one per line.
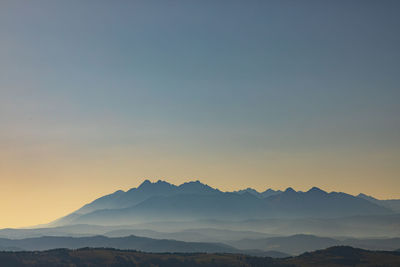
<point x="96" y="96"/>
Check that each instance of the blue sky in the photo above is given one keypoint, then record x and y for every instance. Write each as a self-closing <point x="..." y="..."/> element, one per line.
<point x="263" y="93"/>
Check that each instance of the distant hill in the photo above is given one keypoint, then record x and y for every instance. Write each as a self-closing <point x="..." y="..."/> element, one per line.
<point x="293" y="245"/>
<point x="128" y="242"/>
<point x="270" y="246"/>
<point x="334" y="256"/>
<point x="360" y="226"/>
<point x="5" y="248"/>
<point x="190" y="234"/>
<point x="346" y="256"/>
<point x="297" y="244"/>
<point x="66" y="230"/>
<point x="162" y="201"/>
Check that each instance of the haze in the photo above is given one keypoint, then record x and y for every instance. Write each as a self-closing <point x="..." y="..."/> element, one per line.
<point x="96" y="96"/>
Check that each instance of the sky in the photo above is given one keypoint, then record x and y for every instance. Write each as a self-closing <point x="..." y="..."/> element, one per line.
<point x="97" y="96"/>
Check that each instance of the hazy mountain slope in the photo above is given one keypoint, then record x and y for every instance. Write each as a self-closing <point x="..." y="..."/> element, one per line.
<point x="352" y="226"/>
<point x="270" y="192"/>
<point x="191" y="235"/>
<point x="318" y="203"/>
<point x="181" y="207"/>
<point x="121" y="199"/>
<point x="297" y="244"/>
<point x="129" y="242"/>
<point x="146" y="190"/>
<point x="67" y="230"/>
<point x="213" y="204"/>
<point x="266" y="193"/>
<point x="393" y="204"/>
<point x="373" y="243"/>
<point x="194" y="200"/>
<point x="294" y="245"/>
<point x="377" y="226"/>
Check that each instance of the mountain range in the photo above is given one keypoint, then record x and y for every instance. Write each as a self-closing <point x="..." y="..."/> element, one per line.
<point x="194" y="217"/>
<point x="376" y="226"/>
<point x="162" y="201"/>
<point x="281" y="246"/>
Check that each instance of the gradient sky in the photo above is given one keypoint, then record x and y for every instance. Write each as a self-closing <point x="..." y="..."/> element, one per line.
<point x="96" y="96"/>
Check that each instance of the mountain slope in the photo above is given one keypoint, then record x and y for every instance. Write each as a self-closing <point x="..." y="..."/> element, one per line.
<point x="297" y="244"/>
<point x="393" y="204"/>
<point x="180" y="207"/>
<point x="266" y="193"/>
<point x="346" y="256"/>
<point x="293" y="245"/>
<point x="129" y="242"/>
<point x="317" y="202"/>
<point x="132" y="197"/>
<point x="146" y="190"/>
<point x="233" y="206"/>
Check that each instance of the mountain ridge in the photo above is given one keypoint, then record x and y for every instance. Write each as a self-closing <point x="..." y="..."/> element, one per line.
<point x="194" y="200"/>
<point x="131" y="242"/>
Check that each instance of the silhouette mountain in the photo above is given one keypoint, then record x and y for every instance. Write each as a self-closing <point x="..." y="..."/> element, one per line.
<point x="146" y="190"/>
<point x="162" y="201"/>
<point x="316" y="202"/>
<point x="266" y="193"/>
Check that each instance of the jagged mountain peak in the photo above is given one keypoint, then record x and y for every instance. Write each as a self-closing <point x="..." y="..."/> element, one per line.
<point x="290" y="190"/>
<point x="269" y="190"/>
<point x="316" y="190"/>
<point x="145" y="183"/>
<point x="361" y="195"/>
<point x="196" y="183"/>
<point x="148" y="182"/>
<point x="249" y="190"/>
<point x="193" y="199"/>
<point x="194" y="187"/>
<point x="267" y="193"/>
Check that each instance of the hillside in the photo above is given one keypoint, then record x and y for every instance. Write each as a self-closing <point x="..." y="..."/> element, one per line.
<point x="331" y="257"/>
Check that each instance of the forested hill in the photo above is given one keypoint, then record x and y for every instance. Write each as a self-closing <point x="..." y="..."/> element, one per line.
<point x="334" y="256"/>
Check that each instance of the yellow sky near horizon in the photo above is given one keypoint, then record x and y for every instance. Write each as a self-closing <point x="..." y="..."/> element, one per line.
<point x="38" y="188"/>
